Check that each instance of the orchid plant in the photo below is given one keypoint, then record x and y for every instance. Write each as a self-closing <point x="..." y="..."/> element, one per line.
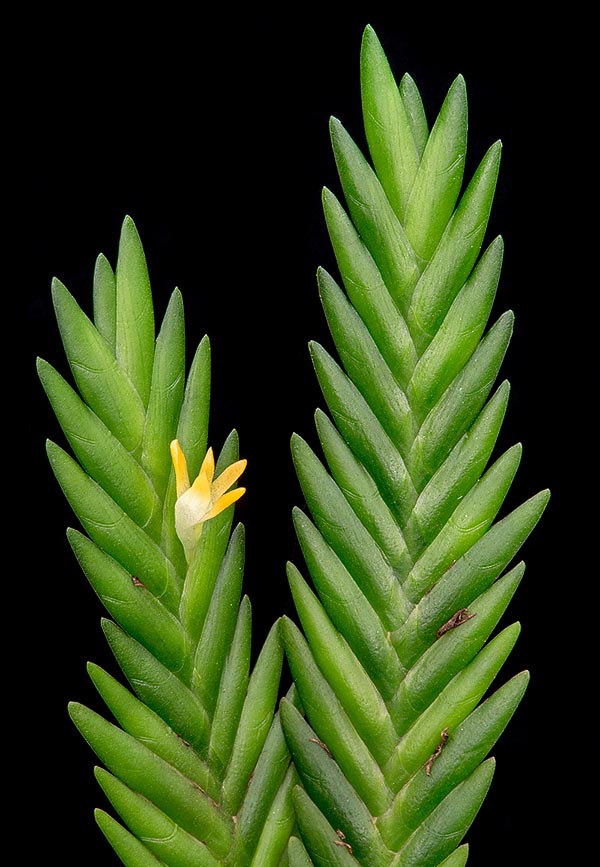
<point x="379" y="753"/>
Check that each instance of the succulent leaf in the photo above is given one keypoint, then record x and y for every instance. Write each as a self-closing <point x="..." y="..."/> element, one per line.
<point x="409" y="547"/>
<point x="195" y="766"/>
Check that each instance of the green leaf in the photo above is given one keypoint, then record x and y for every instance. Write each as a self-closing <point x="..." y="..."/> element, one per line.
<point x="340" y="665"/>
<point x="468" y="746"/>
<point x="448" y="710"/>
<point x="364" y="363"/>
<point x="440" y="833"/>
<point x="105" y="301"/>
<point x="282" y="821"/>
<point x="330" y="791"/>
<point x="367" y="291"/>
<point x="473" y="573"/>
<point x="363" y="495"/>
<point x="458" y="472"/>
<point x="334" y="729"/>
<point x="130" y="850"/>
<point x="457" y="859"/>
<point x="349" y="608"/>
<point x="150" y="776"/>
<point x="456" y="252"/>
<point x="142" y="723"/>
<point x="232" y="690"/>
<point x="134" y="608"/>
<point x="297" y="854"/>
<point x="269" y="790"/>
<point x="364" y="433"/>
<point x="411" y="551"/>
<point x="192" y="430"/>
<point x="113" y="531"/>
<point x="135" y="311"/>
<point x="439" y="177"/>
<point x="453" y="649"/>
<point x="159" y="688"/>
<point x="102" y="382"/>
<point x="166" y="394"/>
<point x="415" y="111"/>
<point x="164" y="838"/>
<point x="219" y="626"/>
<point x="374" y="218"/>
<point x="255" y="720"/>
<point x="387" y="124"/>
<point x="456" y="410"/>
<point x="466" y="525"/>
<point x="327" y="846"/>
<point x="100" y="453"/>
<point x="348" y="537"/>
<point x="197" y="766"/>
<point x="459" y="333"/>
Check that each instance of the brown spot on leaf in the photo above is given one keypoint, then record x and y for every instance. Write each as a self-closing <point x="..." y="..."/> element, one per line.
<point x="322" y="745"/>
<point x="437" y="751"/>
<point x="344" y="844"/>
<point x="460" y="616"/>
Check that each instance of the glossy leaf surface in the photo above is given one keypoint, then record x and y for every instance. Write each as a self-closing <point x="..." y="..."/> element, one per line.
<point x="410" y="551"/>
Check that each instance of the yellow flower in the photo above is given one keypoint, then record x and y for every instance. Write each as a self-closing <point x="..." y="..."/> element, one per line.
<point x="203" y="500"/>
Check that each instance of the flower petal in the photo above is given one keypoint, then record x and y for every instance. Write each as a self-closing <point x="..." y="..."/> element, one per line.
<point x="223" y="502"/>
<point x="180" y="466"/>
<point x="208" y="466"/>
<point x="202" y="489"/>
<point x="227" y="478"/>
<point x="204" y="499"/>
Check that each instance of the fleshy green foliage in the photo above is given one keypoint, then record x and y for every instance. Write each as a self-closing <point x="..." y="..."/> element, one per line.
<point x="195" y="763"/>
<point x="410" y="555"/>
<point x="380" y="753"/>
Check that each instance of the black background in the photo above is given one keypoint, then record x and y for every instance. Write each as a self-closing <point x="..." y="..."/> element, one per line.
<point x="212" y="134"/>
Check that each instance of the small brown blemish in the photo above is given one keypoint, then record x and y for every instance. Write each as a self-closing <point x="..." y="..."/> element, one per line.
<point x="322" y="745"/>
<point x="461" y="616"/>
<point x="136" y="581"/>
<point x="340" y="834"/>
<point x="344" y="844"/>
<point x="436" y="752"/>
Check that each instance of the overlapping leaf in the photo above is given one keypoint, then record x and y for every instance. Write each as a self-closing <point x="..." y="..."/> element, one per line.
<point x="411" y="557"/>
<point x="194" y="763"/>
